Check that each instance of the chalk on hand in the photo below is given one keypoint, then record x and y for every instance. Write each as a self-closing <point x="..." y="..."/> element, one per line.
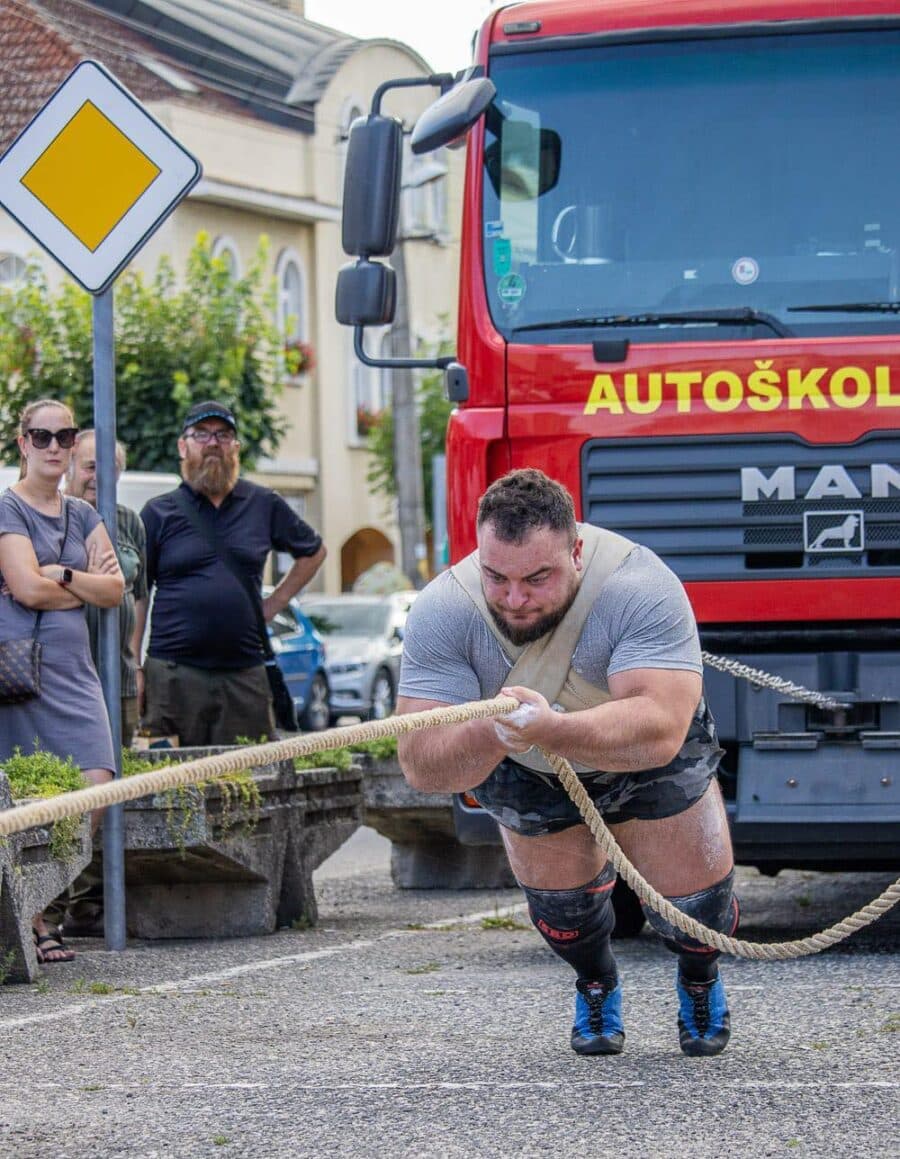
<point x="520" y="717"/>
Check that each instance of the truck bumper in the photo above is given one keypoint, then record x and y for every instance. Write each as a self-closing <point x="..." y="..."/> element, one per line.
<point x="802" y="802"/>
<point x="821" y="845"/>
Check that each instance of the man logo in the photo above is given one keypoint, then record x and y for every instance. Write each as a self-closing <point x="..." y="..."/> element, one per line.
<point x="833" y="531"/>
<point x="832" y="483"/>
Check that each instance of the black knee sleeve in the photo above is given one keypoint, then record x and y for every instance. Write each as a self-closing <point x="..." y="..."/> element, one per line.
<point x="577" y="923"/>
<point x="716" y="907"/>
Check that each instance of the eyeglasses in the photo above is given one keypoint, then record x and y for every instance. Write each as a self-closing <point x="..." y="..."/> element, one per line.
<point x="41" y="438"/>
<point x="224" y="437"/>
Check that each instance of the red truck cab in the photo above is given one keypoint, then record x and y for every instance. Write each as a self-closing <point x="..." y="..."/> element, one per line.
<point x="680" y="296"/>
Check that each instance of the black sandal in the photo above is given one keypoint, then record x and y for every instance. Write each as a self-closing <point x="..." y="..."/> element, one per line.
<point x="57" y="946"/>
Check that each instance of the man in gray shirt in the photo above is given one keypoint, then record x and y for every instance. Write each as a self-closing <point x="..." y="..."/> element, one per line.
<point x="595" y="637"/>
<point x="84" y="909"/>
<point x="131" y="548"/>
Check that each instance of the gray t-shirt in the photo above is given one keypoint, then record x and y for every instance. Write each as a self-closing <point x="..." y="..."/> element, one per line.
<point x="66" y="627"/>
<point x="69" y="717"/>
<point x="641" y="619"/>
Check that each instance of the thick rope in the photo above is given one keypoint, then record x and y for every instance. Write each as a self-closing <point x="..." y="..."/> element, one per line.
<point x="760" y="951"/>
<point x="46" y="811"/>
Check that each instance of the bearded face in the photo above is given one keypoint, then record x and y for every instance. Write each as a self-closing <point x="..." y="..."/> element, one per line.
<point x="528" y="586"/>
<point x="541" y="625"/>
<point x="209" y="468"/>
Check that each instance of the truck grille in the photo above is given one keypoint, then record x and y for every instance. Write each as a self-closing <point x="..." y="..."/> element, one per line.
<point x="685" y="499"/>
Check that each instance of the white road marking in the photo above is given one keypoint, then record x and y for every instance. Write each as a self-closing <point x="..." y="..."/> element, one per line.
<point x="506" y="911"/>
<point x="260" y="965"/>
<point x="565" y="1084"/>
<point x="193" y="981"/>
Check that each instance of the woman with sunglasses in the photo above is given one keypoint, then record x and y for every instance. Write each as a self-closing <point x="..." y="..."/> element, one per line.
<point x="55" y="557"/>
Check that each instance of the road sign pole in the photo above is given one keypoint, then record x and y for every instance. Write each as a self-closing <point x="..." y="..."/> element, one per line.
<point x="91" y="177"/>
<point x="110" y="651"/>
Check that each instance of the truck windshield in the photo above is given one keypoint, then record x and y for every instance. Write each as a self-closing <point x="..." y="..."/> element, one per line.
<point x="683" y="189"/>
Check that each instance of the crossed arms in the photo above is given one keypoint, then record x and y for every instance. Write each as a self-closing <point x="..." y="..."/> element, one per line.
<point x="36" y="587"/>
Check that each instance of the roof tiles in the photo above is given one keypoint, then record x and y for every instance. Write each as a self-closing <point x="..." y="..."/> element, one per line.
<point x="240" y="56"/>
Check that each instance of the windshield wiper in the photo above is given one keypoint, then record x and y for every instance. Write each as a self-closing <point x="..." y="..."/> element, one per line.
<point x="849" y="308"/>
<point x="740" y="315"/>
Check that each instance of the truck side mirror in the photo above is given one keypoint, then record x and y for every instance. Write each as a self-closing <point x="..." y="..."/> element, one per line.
<point x="452" y="114"/>
<point x="372" y="186"/>
<point x="366" y="294"/>
<point x="366" y="291"/>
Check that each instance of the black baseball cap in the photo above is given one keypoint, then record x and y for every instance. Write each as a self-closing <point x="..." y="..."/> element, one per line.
<point x="208" y="410"/>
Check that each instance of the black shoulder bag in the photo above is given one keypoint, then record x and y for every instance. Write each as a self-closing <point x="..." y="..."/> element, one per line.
<point x="282" y="701"/>
<point x="20" y="660"/>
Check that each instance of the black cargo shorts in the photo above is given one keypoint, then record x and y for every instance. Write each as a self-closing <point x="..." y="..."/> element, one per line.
<point x="535" y="804"/>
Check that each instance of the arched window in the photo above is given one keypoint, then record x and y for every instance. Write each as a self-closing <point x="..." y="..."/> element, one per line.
<point x="12" y="269"/>
<point x="292" y="312"/>
<point x="226" y="249"/>
<point x="292" y="316"/>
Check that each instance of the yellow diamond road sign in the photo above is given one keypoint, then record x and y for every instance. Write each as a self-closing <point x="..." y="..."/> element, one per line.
<point x="93" y="176"/>
<point x="64" y="177"/>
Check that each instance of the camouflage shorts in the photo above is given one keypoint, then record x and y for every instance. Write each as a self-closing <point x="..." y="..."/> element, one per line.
<point x="534" y="804"/>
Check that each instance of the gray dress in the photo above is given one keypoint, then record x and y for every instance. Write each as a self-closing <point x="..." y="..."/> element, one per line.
<point x="69" y="717"/>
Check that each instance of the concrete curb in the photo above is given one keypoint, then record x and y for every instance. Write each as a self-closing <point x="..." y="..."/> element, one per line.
<point x="30" y="878"/>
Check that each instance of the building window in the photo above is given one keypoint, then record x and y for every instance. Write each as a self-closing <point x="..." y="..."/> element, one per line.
<point x="225" y="249"/>
<point x="370" y="388"/>
<point x="424" y="198"/>
<point x="12" y="270"/>
<point x="292" y="315"/>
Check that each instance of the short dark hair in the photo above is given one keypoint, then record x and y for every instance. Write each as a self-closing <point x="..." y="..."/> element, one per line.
<point x="524" y="501"/>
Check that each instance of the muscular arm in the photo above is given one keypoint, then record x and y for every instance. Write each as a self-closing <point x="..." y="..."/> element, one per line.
<point x="449" y="758"/>
<point x="642" y="727"/>
<point x="302" y="571"/>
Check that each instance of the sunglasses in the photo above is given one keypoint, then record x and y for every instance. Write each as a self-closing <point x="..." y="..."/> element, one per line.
<point x="41" y="438"/>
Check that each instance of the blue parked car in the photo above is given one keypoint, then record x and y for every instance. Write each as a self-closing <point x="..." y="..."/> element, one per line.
<point x="300" y="654"/>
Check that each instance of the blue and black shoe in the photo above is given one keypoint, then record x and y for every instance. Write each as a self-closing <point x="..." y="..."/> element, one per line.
<point x="598" y="1025"/>
<point x="704" y="1024"/>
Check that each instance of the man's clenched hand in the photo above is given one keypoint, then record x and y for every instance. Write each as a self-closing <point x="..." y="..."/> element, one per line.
<point x="529" y="724"/>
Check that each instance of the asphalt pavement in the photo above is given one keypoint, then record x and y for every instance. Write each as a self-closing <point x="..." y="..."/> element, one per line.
<point x="436" y="1023"/>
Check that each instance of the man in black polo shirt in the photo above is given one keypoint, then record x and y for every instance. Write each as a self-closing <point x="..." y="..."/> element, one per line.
<point x="204" y="678"/>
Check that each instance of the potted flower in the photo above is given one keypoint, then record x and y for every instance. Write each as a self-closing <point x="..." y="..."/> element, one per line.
<point x="299" y="359"/>
<point x="366" y="420"/>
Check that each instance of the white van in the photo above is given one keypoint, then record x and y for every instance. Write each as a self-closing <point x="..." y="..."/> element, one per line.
<point x="134" y="489"/>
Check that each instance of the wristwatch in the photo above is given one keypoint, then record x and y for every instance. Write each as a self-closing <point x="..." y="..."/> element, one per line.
<point x="66" y="578"/>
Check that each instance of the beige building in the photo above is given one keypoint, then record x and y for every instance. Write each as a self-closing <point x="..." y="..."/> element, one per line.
<point x="265" y="99"/>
